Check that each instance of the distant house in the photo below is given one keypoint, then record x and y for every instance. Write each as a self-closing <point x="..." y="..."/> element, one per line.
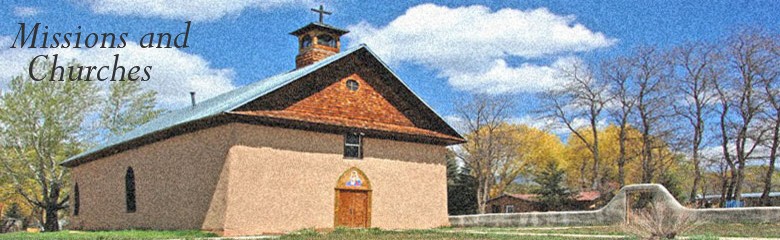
<point x="748" y="199"/>
<point x="512" y="203"/>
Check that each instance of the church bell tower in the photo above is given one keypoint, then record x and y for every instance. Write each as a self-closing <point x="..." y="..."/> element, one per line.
<point x="317" y="40"/>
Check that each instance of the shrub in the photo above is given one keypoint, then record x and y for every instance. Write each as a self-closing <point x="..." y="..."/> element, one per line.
<point x="658" y="221"/>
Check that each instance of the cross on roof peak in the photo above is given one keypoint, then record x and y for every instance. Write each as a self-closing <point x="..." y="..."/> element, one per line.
<point x="321" y="11"/>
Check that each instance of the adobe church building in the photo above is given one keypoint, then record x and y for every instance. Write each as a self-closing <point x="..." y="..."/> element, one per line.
<point x="339" y="141"/>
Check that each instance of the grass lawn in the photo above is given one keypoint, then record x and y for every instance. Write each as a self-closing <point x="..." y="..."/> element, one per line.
<point x="128" y="234"/>
<point x="704" y="231"/>
<point x="766" y="230"/>
<point x="444" y="233"/>
<point x="435" y="234"/>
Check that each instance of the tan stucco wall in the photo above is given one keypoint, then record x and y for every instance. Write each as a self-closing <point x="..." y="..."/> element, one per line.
<point x="249" y="179"/>
<point x="175" y="185"/>
<point x="283" y="180"/>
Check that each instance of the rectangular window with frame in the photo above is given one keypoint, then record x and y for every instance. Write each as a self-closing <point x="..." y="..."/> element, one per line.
<point x="510" y="208"/>
<point x="353" y="146"/>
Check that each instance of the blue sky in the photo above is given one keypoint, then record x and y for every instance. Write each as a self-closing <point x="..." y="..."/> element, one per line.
<point x="443" y="50"/>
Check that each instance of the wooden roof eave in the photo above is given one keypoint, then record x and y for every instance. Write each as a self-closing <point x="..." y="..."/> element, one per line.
<point x="339" y="129"/>
<point x="229" y="117"/>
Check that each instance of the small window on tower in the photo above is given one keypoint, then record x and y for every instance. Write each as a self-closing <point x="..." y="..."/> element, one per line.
<point x="353" y="147"/>
<point x="306" y="41"/>
<point x="352" y="85"/>
<point x="326" y="40"/>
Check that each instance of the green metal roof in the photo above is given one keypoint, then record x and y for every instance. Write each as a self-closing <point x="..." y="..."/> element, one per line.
<point x="229" y="101"/>
<point x="222" y="103"/>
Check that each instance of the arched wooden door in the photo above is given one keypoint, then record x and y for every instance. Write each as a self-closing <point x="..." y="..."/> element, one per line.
<point x="353" y="200"/>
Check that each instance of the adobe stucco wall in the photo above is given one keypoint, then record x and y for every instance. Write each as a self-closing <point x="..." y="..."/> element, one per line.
<point x="175" y="185"/>
<point x="282" y="180"/>
<point x="245" y="179"/>
<point x="615" y="212"/>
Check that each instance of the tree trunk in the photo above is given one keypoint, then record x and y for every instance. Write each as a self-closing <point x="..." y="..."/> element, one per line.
<point x="596" y="157"/>
<point x="732" y="181"/>
<point x="741" y="159"/>
<point x="696" y="167"/>
<point x="622" y="156"/>
<point x="483" y="195"/>
<point x="696" y="180"/>
<point x="480" y="203"/>
<point x="740" y="178"/>
<point x="622" y="173"/>
<point x="647" y="156"/>
<point x="772" y="158"/>
<point x="723" y="188"/>
<point x="51" y="223"/>
<point x="583" y="178"/>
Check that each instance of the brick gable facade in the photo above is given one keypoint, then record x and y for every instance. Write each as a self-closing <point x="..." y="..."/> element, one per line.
<point x="364" y="104"/>
<point x="380" y="103"/>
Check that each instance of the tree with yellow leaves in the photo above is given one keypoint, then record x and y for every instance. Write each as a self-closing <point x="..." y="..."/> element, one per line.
<point x="534" y="149"/>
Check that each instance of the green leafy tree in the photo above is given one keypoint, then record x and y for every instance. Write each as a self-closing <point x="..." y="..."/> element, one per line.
<point x="127" y="107"/>
<point x="552" y="193"/>
<point x="40" y="123"/>
<point x="672" y="183"/>
<point x="461" y="188"/>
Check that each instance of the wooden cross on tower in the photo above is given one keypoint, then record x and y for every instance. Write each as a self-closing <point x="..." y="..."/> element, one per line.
<point x="321" y="11"/>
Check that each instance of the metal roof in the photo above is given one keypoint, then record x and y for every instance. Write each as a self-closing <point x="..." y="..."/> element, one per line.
<point x="229" y="101"/>
<point x="744" y="195"/>
<point x="222" y="103"/>
<point x="319" y="25"/>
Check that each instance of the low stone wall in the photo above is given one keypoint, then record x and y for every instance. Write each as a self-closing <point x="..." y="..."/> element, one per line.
<point x="615" y="212"/>
<point x="734" y="215"/>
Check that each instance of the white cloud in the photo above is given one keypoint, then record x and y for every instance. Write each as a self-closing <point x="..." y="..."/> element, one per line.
<point x="470" y="45"/>
<point x="501" y="78"/>
<point x="195" y="10"/>
<point x="555" y="126"/>
<point x="542" y="123"/>
<point x="26" y="11"/>
<point x="174" y="73"/>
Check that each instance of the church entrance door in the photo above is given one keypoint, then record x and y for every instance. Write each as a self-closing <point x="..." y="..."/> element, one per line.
<point x="353" y="200"/>
<point x="352" y="209"/>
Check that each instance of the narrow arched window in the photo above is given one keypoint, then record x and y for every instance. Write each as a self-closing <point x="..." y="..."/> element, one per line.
<point x="76" y="203"/>
<point x="130" y="190"/>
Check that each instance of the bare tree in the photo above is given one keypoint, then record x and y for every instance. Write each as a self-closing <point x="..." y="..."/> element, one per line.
<point x="482" y="116"/>
<point x="728" y="177"/>
<point x="618" y="73"/>
<point x="582" y="96"/>
<point x="697" y="68"/>
<point x="771" y="83"/>
<point x="652" y="105"/>
<point x="749" y="58"/>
